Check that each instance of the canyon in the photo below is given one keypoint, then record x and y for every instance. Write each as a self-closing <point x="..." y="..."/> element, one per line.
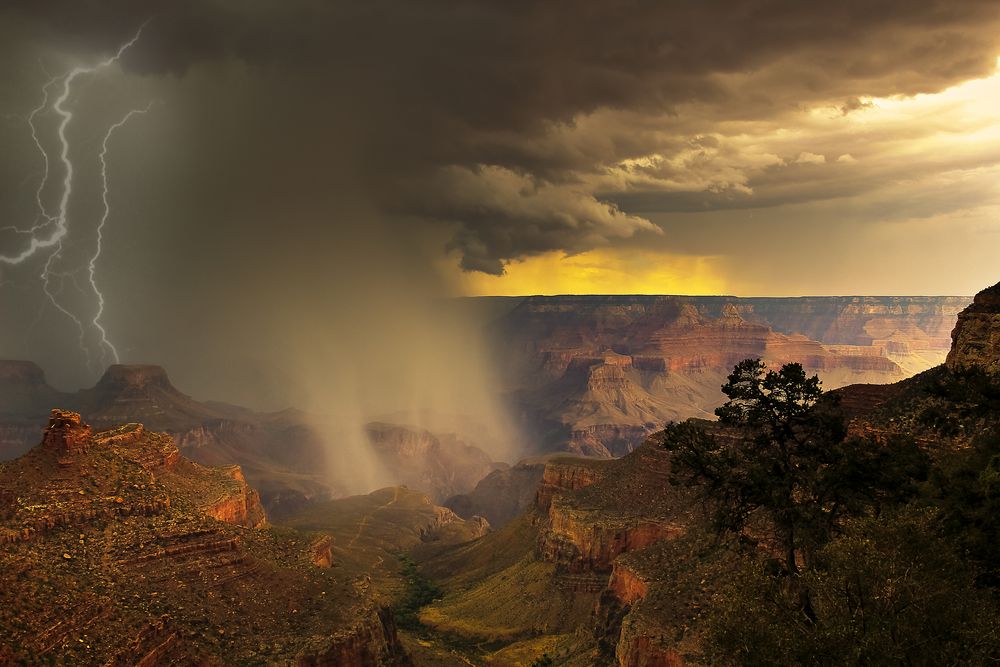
<point x="589" y="559"/>
<point x="595" y="375"/>
<point x="600" y="543"/>
<point x="117" y="549"/>
<point x="637" y="550"/>
<point x="588" y="375"/>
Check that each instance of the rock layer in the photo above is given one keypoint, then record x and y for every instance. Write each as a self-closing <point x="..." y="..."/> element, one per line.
<point x="501" y="495"/>
<point x="976" y="337"/>
<point x="596" y="374"/>
<point x="119" y="551"/>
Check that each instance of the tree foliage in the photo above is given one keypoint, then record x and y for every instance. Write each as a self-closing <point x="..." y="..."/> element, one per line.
<point x="888" y="591"/>
<point x="961" y="401"/>
<point x="784" y="453"/>
<point x="885" y="559"/>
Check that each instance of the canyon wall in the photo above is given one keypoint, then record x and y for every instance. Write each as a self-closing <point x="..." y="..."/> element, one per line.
<point x="595" y="375"/>
<point x="590" y="375"/>
<point x="501" y="495"/>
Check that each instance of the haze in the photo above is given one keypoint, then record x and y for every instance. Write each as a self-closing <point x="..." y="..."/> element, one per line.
<point x="311" y="175"/>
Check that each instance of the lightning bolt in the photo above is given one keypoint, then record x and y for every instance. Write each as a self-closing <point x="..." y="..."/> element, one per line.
<point x="49" y="231"/>
<point x="92" y="266"/>
<point x="42" y="213"/>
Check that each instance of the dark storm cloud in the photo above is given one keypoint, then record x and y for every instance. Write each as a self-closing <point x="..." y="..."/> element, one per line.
<point x="471" y="113"/>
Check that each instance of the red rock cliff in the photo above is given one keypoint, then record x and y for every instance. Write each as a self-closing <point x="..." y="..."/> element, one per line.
<point x="565" y="474"/>
<point x="587" y="541"/>
<point x="241" y="506"/>
<point x="592" y="363"/>
<point x="66" y="433"/>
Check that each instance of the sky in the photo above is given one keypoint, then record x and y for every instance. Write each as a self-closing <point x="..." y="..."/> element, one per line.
<point x="306" y="167"/>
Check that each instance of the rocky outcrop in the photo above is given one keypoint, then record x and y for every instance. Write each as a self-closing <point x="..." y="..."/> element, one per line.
<point x="594" y="511"/>
<point x="627" y="585"/>
<point x="222" y="494"/>
<point x="372" y="640"/>
<point x="501" y="495"/>
<point x="322" y="551"/>
<point x="117" y="551"/>
<point x="630" y="638"/>
<point x="976" y="337"/>
<point x="636" y="648"/>
<point x="565" y="474"/>
<point x="446" y="526"/>
<point x="240" y="506"/>
<point x="127" y="435"/>
<point x="584" y="541"/>
<point x="66" y="433"/>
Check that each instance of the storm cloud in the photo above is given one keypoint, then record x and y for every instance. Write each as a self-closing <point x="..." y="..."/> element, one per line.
<point x="475" y="115"/>
<point x="310" y="166"/>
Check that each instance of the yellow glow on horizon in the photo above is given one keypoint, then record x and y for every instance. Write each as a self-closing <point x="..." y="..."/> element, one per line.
<point x="961" y="116"/>
<point x="600" y="271"/>
<point x="938" y="146"/>
<point x="981" y="94"/>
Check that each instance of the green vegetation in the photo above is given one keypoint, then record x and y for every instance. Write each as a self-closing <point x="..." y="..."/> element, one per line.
<point x="888" y="591"/>
<point x="889" y="552"/>
<point x="967" y="491"/>
<point x="792" y="461"/>
<point x="419" y="592"/>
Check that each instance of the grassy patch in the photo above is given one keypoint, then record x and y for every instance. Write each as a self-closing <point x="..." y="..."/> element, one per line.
<point x="419" y="592"/>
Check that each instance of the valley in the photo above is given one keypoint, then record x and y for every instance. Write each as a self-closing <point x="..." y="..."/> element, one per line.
<point x="576" y="556"/>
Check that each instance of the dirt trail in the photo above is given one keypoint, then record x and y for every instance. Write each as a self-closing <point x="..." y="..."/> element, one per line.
<point x="366" y="517"/>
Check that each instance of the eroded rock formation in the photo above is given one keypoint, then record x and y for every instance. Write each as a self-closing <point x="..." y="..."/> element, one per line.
<point x="66" y="434"/>
<point x="119" y="551"/>
<point x="596" y="374"/>
<point x="976" y="337"/>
